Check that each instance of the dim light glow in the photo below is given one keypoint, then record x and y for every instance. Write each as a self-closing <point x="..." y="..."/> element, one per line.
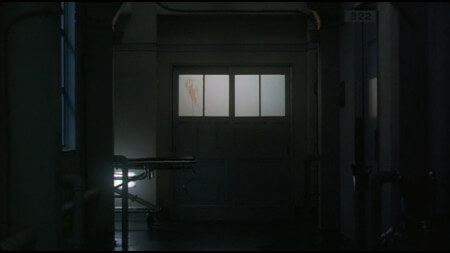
<point x="119" y="181"/>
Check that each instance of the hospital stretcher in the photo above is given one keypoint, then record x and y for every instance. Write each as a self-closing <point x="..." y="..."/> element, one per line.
<point x="147" y="166"/>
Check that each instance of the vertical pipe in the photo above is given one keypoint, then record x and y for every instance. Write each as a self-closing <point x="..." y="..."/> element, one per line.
<point x="359" y="168"/>
<point x="319" y="134"/>
<point x="378" y="180"/>
<point x="125" y="208"/>
<point x="310" y="224"/>
<point x="307" y="206"/>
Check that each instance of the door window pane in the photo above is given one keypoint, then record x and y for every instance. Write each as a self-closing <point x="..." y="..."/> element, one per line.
<point x="190" y="95"/>
<point x="216" y="95"/>
<point x="246" y="95"/>
<point x="272" y="95"/>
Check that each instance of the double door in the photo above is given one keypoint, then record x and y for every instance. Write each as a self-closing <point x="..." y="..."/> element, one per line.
<point x="236" y="122"/>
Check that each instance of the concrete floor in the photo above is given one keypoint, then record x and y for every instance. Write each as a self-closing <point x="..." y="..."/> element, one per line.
<point x="212" y="236"/>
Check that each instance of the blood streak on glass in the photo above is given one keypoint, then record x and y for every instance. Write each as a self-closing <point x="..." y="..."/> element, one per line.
<point x="190" y="95"/>
<point x="191" y="90"/>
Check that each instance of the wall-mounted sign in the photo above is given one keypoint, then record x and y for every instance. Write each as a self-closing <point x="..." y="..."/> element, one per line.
<point x="360" y="16"/>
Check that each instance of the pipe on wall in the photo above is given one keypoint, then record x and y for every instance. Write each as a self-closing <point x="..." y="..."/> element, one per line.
<point x="172" y="9"/>
<point x="317" y="18"/>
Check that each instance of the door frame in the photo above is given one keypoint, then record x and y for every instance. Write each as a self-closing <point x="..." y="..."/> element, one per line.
<point x="169" y="61"/>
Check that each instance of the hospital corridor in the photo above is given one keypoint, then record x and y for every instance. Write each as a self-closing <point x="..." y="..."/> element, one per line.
<point x="224" y="126"/>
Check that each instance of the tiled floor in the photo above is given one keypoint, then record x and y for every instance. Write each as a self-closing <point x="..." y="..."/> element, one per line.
<point x="242" y="236"/>
<point x="212" y="236"/>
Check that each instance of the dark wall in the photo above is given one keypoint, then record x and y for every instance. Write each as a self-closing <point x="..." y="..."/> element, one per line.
<point x="3" y="135"/>
<point x="413" y="91"/>
<point x="96" y="88"/>
<point x="230" y="29"/>
<point x="31" y="79"/>
<point x="32" y="160"/>
<point x="134" y="99"/>
<point x="329" y="117"/>
<point x="423" y="108"/>
<point x="135" y="112"/>
<point x="348" y="77"/>
<point x="438" y="64"/>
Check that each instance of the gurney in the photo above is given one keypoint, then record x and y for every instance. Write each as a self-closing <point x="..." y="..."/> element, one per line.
<point x="147" y="165"/>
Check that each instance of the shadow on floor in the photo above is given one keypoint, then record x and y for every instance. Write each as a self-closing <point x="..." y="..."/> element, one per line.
<point x="220" y="235"/>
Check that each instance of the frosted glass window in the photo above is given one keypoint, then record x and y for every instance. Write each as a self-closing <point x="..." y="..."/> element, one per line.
<point x="272" y="95"/>
<point x="190" y="95"/>
<point x="217" y="95"/>
<point x="246" y="95"/>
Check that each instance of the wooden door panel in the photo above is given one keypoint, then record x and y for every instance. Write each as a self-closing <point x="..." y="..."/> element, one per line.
<point x="268" y="141"/>
<point x="225" y="140"/>
<point x="186" y="135"/>
<point x="261" y="183"/>
<point x="208" y="186"/>
<point x="207" y="141"/>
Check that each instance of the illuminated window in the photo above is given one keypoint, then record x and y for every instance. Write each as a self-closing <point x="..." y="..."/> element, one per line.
<point x="217" y="95"/>
<point x="68" y="77"/>
<point x="190" y="98"/>
<point x="272" y="95"/>
<point x="246" y="95"/>
<point x="254" y="95"/>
